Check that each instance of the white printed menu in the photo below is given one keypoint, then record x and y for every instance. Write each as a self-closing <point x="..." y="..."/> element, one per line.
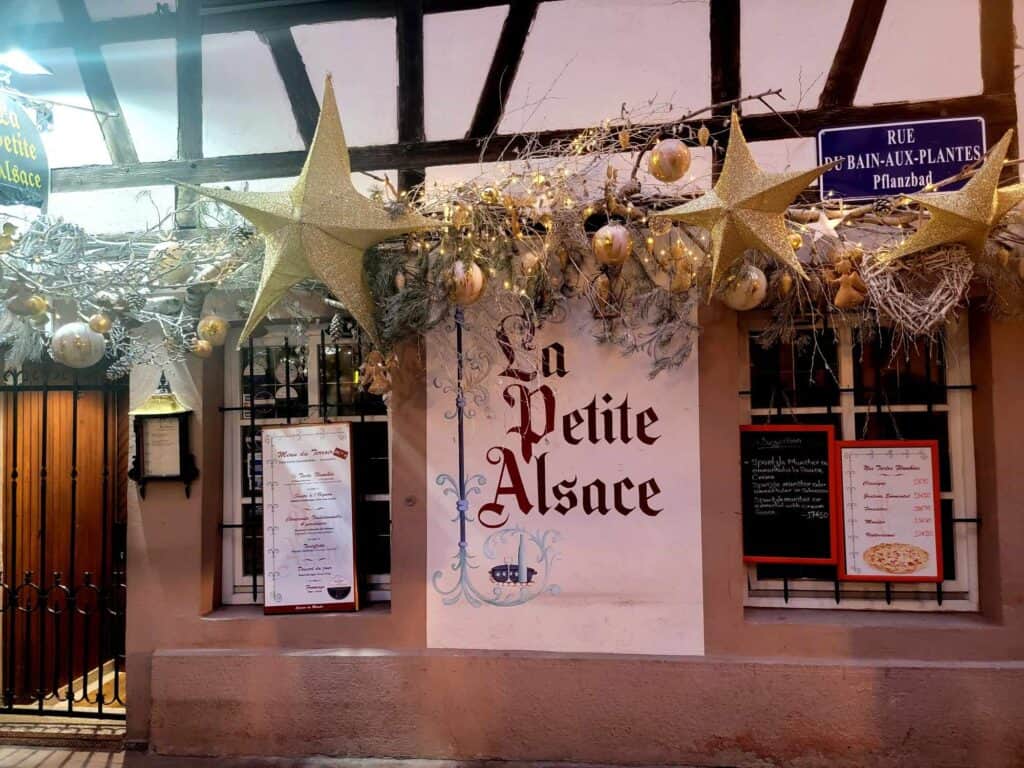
<point x="890" y="511"/>
<point x="308" y="541"/>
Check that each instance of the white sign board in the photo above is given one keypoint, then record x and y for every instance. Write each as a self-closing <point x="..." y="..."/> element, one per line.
<point x="583" y="524"/>
<point x="891" y="511"/>
<point x="308" y="542"/>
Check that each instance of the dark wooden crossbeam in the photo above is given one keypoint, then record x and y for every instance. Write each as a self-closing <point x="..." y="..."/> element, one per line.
<point x="189" y="60"/>
<point x="852" y="54"/>
<point x="411" y="99"/>
<point x="507" y="55"/>
<point x="100" y="88"/>
<point x="156" y="26"/>
<point x="292" y="69"/>
<point x="996" y="108"/>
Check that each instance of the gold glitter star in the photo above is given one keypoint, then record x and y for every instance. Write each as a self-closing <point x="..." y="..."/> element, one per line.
<point x="746" y="208"/>
<point x="321" y="228"/>
<point x="967" y="215"/>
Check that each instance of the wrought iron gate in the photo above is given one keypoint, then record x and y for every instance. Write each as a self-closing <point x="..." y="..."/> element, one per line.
<point x="62" y="581"/>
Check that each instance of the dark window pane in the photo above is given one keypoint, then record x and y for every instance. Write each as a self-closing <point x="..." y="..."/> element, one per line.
<point x="276" y="382"/>
<point x="373" y="537"/>
<point x="948" y="543"/>
<point x="916" y="375"/>
<point x="802" y="374"/>
<point x="909" y="426"/>
<point x="370" y="449"/>
<point x="252" y="539"/>
<point x="340" y="391"/>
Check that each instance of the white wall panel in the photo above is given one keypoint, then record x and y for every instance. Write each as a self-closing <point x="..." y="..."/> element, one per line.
<point x="457" y="53"/>
<point x="361" y="56"/>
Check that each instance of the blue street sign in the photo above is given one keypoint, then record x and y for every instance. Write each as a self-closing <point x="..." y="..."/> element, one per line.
<point x="896" y="158"/>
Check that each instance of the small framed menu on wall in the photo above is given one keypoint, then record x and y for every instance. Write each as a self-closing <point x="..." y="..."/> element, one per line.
<point x="891" y="512"/>
<point x="788" y="494"/>
<point x="308" y="526"/>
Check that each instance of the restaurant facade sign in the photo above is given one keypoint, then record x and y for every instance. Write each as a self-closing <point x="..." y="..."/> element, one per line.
<point x="583" y="486"/>
<point x="897" y="158"/>
<point x="24" y="170"/>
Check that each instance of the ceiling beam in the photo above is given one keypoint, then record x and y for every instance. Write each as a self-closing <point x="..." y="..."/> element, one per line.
<point x="507" y="55"/>
<point x="163" y="25"/>
<point x="852" y="54"/>
<point x="411" y="98"/>
<point x="99" y="88"/>
<point x="995" y="108"/>
<point x="292" y="69"/>
<point x="189" y="60"/>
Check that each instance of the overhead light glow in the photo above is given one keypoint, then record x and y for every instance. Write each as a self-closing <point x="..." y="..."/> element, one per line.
<point x="20" y="62"/>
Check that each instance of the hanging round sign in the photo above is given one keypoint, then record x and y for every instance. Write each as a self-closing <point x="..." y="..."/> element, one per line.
<point x="24" y="171"/>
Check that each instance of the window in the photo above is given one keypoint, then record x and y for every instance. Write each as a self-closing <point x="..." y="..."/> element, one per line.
<point x="836" y="376"/>
<point x="289" y="378"/>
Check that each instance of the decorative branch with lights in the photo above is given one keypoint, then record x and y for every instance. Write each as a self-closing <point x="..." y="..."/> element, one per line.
<point x="614" y="216"/>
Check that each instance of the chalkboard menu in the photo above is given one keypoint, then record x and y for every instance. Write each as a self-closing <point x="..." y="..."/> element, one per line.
<point x="788" y="494"/>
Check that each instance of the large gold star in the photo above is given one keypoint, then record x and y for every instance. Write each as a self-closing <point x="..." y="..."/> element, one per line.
<point x="967" y="215"/>
<point x="746" y="208"/>
<point x="321" y="228"/>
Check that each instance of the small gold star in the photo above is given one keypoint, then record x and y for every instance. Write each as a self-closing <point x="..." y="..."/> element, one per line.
<point x="967" y="215"/>
<point x="746" y="208"/>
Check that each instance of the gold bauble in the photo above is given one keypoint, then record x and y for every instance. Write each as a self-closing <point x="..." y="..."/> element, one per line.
<point x="27" y="305"/>
<point x="795" y="240"/>
<point x="100" y="322"/>
<point x="785" y="284"/>
<point x="466" y="283"/>
<point x="746" y="290"/>
<point x="202" y="348"/>
<point x="214" y="329"/>
<point x="490" y="195"/>
<point x="612" y="245"/>
<point x="669" y="160"/>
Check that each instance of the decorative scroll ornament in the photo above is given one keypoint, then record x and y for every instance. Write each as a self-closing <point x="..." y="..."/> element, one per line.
<point x="321" y="228"/>
<point x="746" y="208"/>
<point x="967" y="215"/>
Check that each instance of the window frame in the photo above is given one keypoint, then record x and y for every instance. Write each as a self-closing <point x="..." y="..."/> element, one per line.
<point x="957" y="595"/>
<point x="236" y="586"/>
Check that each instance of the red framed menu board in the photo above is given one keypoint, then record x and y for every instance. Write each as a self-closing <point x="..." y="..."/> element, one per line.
<point x="890" y="510"/>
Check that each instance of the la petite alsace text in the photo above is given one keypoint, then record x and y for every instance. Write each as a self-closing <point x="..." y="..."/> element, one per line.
<point x="535" y="416"/>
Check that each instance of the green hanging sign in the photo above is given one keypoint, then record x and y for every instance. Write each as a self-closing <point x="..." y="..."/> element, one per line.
<point x="24" y="170"/>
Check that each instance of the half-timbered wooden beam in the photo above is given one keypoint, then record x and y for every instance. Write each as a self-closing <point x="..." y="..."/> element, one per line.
<point x="997" y="71"/>
<point x="996" y="108"/>
<point x="852" y="54"/>
<point x="189" y="58"/>
<point x="99" y="88"/>
<point x="507" y="55"/>
<point x="292" y="69"/>
<point x="411" y="99"/>
<point x="163" y="25"/>
<point x="724" y="29"/>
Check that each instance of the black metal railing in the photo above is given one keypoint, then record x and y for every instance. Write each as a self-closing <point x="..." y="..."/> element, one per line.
<point x="272" y="396"/>
<point x="62" y="585"/>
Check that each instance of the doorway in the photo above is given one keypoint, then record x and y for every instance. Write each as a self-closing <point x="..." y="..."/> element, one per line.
<point x="62" y="581"/>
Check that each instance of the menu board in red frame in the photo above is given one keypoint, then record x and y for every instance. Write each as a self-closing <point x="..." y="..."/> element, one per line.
<point x="788" y="494"/>
<point x="890" y="510"/>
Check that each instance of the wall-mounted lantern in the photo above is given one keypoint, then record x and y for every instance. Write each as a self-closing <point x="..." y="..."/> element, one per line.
<point x="162" y="441"/>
